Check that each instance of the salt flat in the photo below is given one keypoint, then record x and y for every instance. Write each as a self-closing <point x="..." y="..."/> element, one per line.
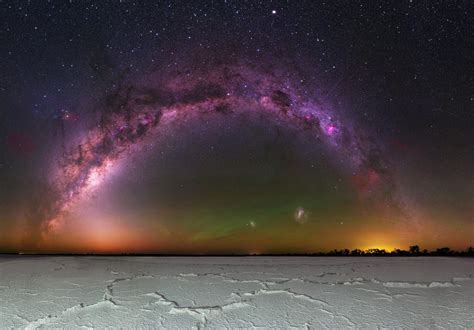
<point x="236" y="292"/>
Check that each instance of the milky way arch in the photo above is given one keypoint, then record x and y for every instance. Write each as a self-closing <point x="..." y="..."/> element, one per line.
<point x="137" y="111"/>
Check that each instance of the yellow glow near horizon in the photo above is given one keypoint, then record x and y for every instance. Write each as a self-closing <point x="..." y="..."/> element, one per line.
<point x="380" y="247"/>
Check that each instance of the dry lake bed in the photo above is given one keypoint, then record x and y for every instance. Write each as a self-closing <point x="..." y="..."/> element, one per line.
<point x="236" y="292"/>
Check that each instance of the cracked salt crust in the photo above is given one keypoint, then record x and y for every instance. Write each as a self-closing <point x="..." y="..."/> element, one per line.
<point x="218" y="292"/>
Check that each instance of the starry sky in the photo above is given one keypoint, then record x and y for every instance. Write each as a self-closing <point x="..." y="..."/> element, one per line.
<point x="235" y="126"/>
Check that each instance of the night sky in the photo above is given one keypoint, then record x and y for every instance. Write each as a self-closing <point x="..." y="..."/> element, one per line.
<point x="235" y="126"/>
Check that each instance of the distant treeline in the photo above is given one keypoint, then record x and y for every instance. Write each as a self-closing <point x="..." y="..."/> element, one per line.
<point x="414" y="250"/>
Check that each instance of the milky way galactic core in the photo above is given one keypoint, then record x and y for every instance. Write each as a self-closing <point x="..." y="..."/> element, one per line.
<point x="133" y="113"/>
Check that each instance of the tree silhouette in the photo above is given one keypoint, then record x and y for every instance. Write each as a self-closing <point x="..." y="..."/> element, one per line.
<point x="414" y="249"/>
<point x="443" y="251"/>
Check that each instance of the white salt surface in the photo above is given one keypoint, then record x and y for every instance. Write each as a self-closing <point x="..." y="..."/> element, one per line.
<point x="236" y="292"/>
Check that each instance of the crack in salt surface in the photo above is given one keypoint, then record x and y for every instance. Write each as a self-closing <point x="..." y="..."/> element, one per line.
<point x="109" y="289"/>
<point x="337" y="315"/>
<point x="79" y="307"/>
<point x="199" y="312"/>
<point x="296" y="295"/>
<point x="202" y="313"/>
<point x="265" y="283"/>
<point x="226" y="278"/>
<point x="304" y="297"/>
<point x="108" y="300"/>
<point x="422" y="285"/>
<point x="353" y="281"/>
